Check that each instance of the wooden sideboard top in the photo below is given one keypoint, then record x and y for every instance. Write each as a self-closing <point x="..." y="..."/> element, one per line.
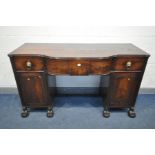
<point x="78" y="50"/>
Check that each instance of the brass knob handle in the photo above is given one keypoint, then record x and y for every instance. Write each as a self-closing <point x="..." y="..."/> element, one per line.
<point x="79" y="65"/>
<point x="28" y="64"/>
<point x="128" y="64"/>
<point x="28" y="79"/>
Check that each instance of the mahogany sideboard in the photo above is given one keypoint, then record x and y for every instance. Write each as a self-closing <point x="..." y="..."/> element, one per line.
<point x="123" y="65"/>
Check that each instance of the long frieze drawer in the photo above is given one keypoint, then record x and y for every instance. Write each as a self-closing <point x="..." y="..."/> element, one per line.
<point x="129" y="63"/>
<point x="28" y="63"/>
<point x="100" y="66"/>
<point x="57" y="67"/>
<point x="71" y="67"/>
<point x="79" y="67"/>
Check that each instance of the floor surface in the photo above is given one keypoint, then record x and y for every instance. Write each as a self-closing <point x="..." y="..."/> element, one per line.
<point x="76" y="112"/>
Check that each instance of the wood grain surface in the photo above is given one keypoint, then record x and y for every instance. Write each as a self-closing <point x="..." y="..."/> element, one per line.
<point x="62" y="50"/>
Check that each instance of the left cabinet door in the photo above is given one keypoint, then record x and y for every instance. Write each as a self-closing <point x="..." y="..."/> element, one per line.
<point x="33" y="89"/>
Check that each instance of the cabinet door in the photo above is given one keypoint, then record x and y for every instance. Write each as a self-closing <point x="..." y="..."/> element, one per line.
<point x="123" y="89"/>
<point x="33" y="89"/>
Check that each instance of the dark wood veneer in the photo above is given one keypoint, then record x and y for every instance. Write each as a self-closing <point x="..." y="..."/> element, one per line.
<point x="79" y="67"/>
<point x="121" y="88"/>
<point x="137" y="63"/>
<point x="123" y="65"/>
<point x="33" y="89"/>
<point x="57" y="67"/>
<point x="98" y="67"/>
<point x="20" y="63"/>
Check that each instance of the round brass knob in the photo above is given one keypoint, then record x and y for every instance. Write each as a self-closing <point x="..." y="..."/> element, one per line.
<point x="28" y="79"/>
<point x="79" y="65"/>
<point x="128" y="64"/>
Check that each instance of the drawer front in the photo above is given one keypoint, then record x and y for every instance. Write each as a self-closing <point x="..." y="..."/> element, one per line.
<point x="79" y="67"/>
<point x="129" y="63"/>
<point x="100" y="66"/>
<point x="57" y="67"/>
<point x="28" y="63"/>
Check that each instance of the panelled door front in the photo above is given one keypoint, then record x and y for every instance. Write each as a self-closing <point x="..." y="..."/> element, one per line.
<point x="123" y="88"/>
<point x="33" y="89"/>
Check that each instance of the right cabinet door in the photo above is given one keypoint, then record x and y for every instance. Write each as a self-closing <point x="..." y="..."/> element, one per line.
<point x="123" y="89"/>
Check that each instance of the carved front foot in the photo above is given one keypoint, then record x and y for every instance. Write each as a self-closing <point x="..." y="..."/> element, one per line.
<point x="106" y="113"/>
<point x="50" y="112"/>
<point x="131" y="113"/>
<point x="25" y="112"/>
